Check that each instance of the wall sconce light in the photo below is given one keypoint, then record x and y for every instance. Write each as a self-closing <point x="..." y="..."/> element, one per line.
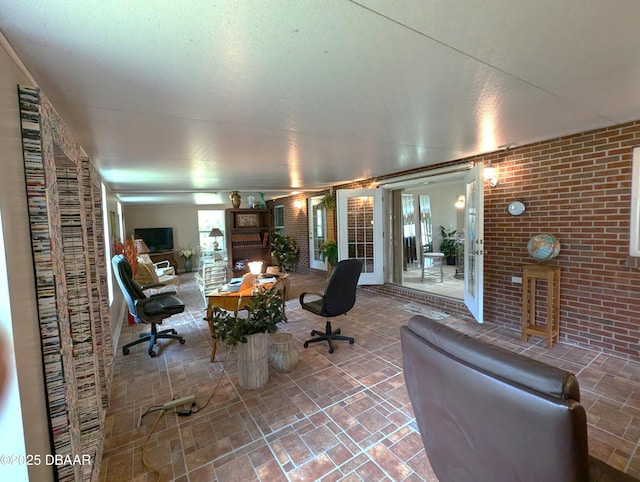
<point x="460" y="202"/>
<point x="297" y="204"/>
<point x="490" y="174"/>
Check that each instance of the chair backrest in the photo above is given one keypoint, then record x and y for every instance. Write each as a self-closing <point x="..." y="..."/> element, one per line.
<point x="340" y="293"/>
<point x="124" y="276"/>
<point x="488" y="414"/>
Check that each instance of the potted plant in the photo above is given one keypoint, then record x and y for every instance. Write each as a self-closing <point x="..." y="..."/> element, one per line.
<point x="328" y="202"/>
<point x="187" y="253"/>
<point x="448" y="246"/>
<point x="285" y="250"/>
<point x="265" y="310"/>
<point x="328" y="252"/>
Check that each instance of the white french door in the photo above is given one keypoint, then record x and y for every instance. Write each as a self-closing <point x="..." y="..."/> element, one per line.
<point x="474" y="241"/>
<point x="360" y="231"/>
<point x="317" y="231"/>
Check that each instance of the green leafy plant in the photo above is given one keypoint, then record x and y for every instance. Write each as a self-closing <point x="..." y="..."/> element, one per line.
<point x="264" y="311"/>
<point x="448" y="244"/>
<point x="328" y="201"/>
<point x="328" y="251"/>
<point x="285" y="250"/>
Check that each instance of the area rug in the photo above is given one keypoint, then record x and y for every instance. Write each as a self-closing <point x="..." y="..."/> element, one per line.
<point x="425" y="311"/>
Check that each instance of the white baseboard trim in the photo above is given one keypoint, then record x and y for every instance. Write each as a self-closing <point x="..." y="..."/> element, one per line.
<point x="118" y="328"/>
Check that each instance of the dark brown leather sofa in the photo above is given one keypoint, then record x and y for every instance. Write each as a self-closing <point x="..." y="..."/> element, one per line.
<point x="486" y="414"/>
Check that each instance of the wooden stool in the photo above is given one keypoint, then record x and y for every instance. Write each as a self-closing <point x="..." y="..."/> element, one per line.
<point x="550" y="330"/>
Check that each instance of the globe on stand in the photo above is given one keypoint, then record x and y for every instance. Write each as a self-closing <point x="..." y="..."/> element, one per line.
<point x="543" y="247"/>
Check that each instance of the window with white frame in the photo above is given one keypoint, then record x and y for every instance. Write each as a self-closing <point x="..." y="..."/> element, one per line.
<point x="207" y="220"/>
<point x="278" y="219"/>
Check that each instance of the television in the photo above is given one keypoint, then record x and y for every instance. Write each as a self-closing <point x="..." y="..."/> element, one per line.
<point x="157" y="239"/>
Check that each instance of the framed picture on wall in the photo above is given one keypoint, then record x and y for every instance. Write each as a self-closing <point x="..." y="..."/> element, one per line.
<point x="246" y="220"/>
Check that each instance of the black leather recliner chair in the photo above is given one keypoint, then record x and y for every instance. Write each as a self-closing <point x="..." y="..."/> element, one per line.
<point x="338" y="298"/>
<point x="151" y="310"/>
<point x="486" y="414"/>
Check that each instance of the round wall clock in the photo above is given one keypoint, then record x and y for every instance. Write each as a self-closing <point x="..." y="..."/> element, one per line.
<point x="516" y="208"/>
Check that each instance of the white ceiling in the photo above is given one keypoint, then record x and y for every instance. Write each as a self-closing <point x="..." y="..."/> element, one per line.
<point x="176" y="101"/>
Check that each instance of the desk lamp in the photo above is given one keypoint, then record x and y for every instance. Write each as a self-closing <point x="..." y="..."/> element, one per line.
<point x="255" y="267"/>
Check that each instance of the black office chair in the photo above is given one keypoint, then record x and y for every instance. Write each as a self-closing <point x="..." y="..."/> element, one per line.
<point x="152" y="309"/>
<point x="338" y="298"/>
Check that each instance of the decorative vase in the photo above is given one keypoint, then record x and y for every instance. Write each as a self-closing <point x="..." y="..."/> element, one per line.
<point x="253" y="364"/>
<point x="251" y="202"/>
<point x="235" y="198"/>
<point x="283" y="355"/>
<point x="262" y="204"/>
<point x="188" y="265"/>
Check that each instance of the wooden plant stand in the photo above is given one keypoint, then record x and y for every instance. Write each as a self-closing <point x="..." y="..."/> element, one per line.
<point x="551" y="329"/>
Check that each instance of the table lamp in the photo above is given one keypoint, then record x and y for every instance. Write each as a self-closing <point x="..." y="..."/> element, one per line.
<point x="141" y="246"/>
<point x="255" y="267"/>
<point x="215" y="234"/>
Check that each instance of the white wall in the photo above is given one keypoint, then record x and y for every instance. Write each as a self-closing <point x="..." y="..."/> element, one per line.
<point x="118" y="307"/>
<point x="182" y="218"/>
<point x="443" y="210"/>
<point x="23" y="414"/>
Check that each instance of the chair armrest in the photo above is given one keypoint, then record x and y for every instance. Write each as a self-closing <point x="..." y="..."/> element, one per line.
<point x="164" y="293"/>
<point x="302" y="295"/>
<point x="152" y="285"/>
<point x="162" y="264"/>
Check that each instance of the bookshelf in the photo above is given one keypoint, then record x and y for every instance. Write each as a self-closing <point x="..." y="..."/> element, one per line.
<point x="248" y="234"/>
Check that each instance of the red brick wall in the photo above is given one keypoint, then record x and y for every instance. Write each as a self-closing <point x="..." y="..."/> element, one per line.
<point x="577" y="188"/>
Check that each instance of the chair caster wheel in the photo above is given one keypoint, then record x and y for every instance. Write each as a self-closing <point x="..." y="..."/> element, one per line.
<point x="125" y="351"/>
<point x="351" y="342"/>
<point x="313" y="333"/>
<point x="152" y="353"/>
<point x="306" y="345"/>
<point x="182" y="340"/>
<point x="338" y="331"/>
<point x="330" y="350"/>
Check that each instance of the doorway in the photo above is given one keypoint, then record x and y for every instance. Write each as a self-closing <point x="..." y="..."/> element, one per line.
<point x="425" y="214"/>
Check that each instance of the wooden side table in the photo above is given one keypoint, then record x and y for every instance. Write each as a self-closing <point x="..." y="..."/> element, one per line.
<point x="551" y="329"/>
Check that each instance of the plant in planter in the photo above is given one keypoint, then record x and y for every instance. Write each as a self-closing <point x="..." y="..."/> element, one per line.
<point x="264" y="311"/>
<point x="328" y="201"/>
<point x="328" y="252"/>
<point x="285" y="250"/>
<point x="448" y="245"/>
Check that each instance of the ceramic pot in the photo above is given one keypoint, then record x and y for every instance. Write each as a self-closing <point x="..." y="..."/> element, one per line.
<point x="283" y="355"/>
<point x="235" y="198"/>
<point x="188" y="265"/>
<point x="253" y="365"/>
